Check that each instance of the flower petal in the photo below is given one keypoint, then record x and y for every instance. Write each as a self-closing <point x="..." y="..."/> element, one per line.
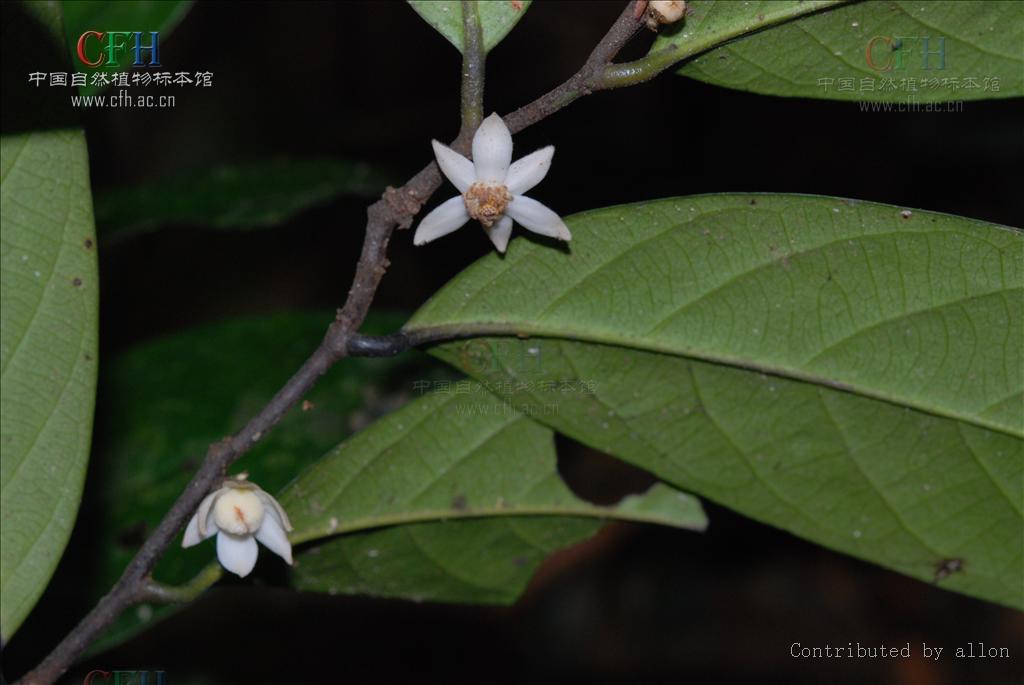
<point x="457" y="168"/>
<point x="237" y="553"/>
<point x="536" y="217"/>
<point x="500" y="232"/>
<point x="273" y="537"/>
<point x="204" y="514"/>
<point x="446" y="217"/>
<point x="530" y="170"/>
<point x="275" y="509"/>
<point x="492" y="150"/>
<point x="192" y="535"/>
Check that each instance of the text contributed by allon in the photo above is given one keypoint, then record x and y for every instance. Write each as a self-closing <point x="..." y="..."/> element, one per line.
<point x="855" y="650"/>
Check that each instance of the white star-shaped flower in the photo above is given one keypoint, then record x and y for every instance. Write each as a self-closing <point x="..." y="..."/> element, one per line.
<point x="240" y="513"/>
<point x="492" y="189"/>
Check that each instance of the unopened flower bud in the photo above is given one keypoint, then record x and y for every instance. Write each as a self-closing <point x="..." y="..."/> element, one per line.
<point x="661" y="12"/>
<point x="240" y="513"/>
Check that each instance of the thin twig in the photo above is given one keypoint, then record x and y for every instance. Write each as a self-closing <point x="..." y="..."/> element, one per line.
<point x="473" y="56"/>
<point x="587" y="80"/>
<point x="395" y="209"/>
<point x="159" y="593"/>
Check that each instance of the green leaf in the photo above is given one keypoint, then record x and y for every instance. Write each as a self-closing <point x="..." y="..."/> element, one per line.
<point x="247" y="196"/>
<point x="496" y="18"/>
<point x="48" y="350"/>
<point x="102" y="15"/>
<point x="974" y="49"/>
<point x="848" y="371"/>
<point x="165" y="401"/>
<point x="442" y="458"/>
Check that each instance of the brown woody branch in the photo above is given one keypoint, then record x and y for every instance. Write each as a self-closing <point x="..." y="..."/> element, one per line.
<point x="395" y="209"/>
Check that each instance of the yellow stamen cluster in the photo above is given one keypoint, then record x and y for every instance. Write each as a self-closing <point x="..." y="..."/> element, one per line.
<point x="486" y="202"/>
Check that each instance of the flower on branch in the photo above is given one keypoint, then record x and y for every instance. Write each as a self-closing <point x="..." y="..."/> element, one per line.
<point x="239" y="514"/>
<point x="660" y="12"/>
<point x="492" y="189"/>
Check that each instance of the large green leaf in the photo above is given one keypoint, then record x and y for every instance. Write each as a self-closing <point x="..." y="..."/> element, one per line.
<point x="456" y="455"/>
<point x="237" y="196"/>
<point x="102" y="15"/>
<point x="865" y="51"/>
<point x="496" y="18"/>
<point x="848" y="371"/>
<point x="165" y="401"/>
<point x="48" y="351"/>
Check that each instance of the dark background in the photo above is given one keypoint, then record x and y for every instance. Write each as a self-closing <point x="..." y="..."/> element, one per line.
<point x="372" y="82"/>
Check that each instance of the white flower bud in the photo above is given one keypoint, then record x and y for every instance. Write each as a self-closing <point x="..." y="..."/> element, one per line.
<point x="664" y="12"/>
<point x="239" y="512"/>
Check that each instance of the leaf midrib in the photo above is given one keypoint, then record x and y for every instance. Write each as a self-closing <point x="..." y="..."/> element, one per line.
<point x="780" y="497"/>
<point x="570" y="331"/>
<point x="576" y="507"/>
<point x="449" y="332"/>
<point x="723" y="36"/>
<point x="580" y="509"/>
